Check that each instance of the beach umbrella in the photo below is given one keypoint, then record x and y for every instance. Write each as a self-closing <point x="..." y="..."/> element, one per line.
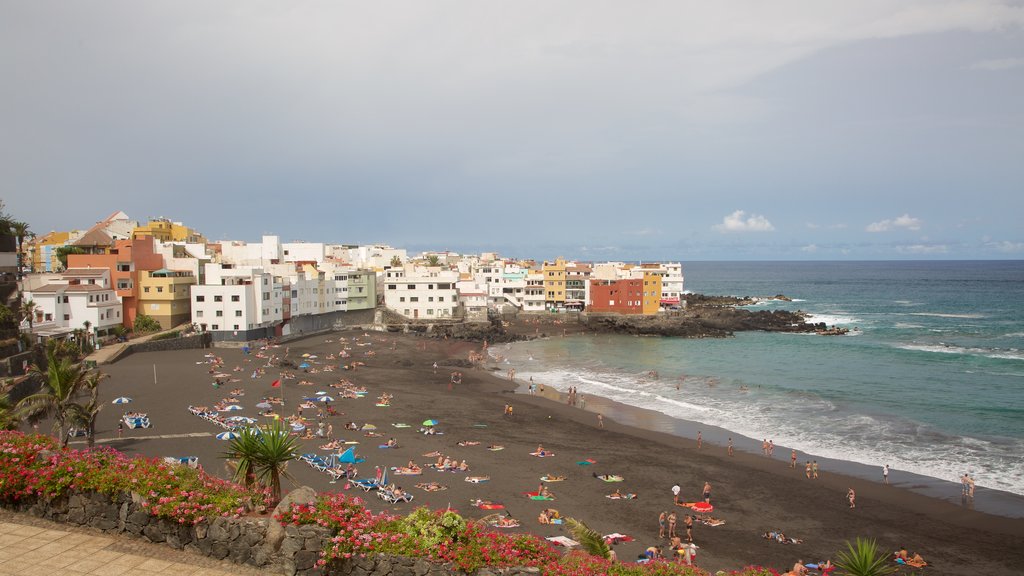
<point x="430" y="422"/>
<point x="306" y="355"/>
<point x="232" y="408"/>
<point x="313" y="356"/>
<point x="227" y="436"/>
<point x="701" y="508"/>
<point x="324" y="399"/>
<point x="304" y="365"/>
<point x="121" y="400"/>
<point x="321" y="393"/>
<point x="264" y="405"/>
<point x="369" y="427"/>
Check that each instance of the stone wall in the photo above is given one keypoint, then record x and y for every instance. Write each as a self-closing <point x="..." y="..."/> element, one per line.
<point x="260" y="542"/>
<point x="196" y="341"/>
<point x="288" y="550"/>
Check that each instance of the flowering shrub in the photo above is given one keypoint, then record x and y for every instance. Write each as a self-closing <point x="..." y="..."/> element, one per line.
<point x="750" y="571"/>
<point x="182" y="494"/>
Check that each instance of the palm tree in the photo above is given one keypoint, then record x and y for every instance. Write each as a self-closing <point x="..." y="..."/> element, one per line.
<point x="8" y="418"/>
<point x="864" y="559"/>
<point x="278" y="448"/>
<point x="64" y="380"/>
<point x="85" y="416"/>
<point x="396" y="262"/>
<point x="242" y="454"/>
<point x="588" y="538"/>
<point x="28" y="312"/>
<point x="433" y="260"/>
<point x="88" y="333"/>
<point x="20" y="231"/>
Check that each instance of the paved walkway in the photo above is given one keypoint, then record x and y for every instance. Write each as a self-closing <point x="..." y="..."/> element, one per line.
<point x="31" y="546"/>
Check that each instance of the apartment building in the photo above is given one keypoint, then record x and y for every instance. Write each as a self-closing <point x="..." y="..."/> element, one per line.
<point x="79" y="296"/>
<point x="165" y="296"/>
<point x="421" y="293"/>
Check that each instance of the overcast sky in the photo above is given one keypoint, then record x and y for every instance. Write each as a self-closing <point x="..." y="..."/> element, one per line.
<point x="595" y="130"/>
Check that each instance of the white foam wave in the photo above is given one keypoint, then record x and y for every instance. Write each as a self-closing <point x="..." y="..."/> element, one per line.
<point x="940" y="348"/>
<point x="940" y="315"/>
<point x="832" y="319"/>
<point x="906" y="326"/>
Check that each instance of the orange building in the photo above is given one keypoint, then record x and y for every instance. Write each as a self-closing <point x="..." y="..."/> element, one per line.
<point x="617" y="296"/>
<point x="126" y="261"/>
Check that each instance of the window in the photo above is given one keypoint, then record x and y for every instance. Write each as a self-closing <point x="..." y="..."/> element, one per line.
<point x="414" y="298"/>
<point x="219" y="313"/>
<point x="199" y="313"/>
<point x="430" y="299"/>
<point x="440" y="298"/>
<point x="430" y="311"/>
<point x="411" y="286"/>
<point x="236" y="326"/>
<point x="238" y="313"/>
<point x="218" y="298"/>
<point x="48" y="317"/>
<point x="200" y="298"/>
<point x="236" y="297"/>
<point x="159" y="288"/>
<point x="67" y="317"/>
<point x="146" y="289"/>
<point x="215" y="327"/>
<point x="401" y="298"/>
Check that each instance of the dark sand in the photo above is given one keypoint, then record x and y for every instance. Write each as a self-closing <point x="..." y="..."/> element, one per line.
<point x="751" y="493"/>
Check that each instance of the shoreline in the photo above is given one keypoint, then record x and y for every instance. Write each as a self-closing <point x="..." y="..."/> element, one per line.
<point x="751" y="494"/>
<point x="987" y="500"/>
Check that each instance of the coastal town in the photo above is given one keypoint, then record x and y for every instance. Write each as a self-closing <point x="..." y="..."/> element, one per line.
<point x="103" y="278"/>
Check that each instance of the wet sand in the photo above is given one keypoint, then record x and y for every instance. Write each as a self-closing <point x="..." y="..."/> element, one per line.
<point x="752" y="494"/>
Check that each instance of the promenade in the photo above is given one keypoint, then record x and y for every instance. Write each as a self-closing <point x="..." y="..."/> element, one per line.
<point x="32" y="546"/>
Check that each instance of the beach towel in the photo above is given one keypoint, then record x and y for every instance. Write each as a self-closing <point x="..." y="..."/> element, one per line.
<point x="495" y="448"/>
<point x="379" y="405"/>
<point x="488" y="505"/>
<point x="610" y="478"/>
<point x="587" y="462"/>
<point x="536" y="496"/>
<point x="617" y="538"/>
<point x="476" y="479"/>
<point x="552" y="478"/>
<point x="544" y="454"/>
<point x="621" y="496"/>
<point x="401" y="425"/>
<point x="479" y="425"/>
<point x="563" y="541"/>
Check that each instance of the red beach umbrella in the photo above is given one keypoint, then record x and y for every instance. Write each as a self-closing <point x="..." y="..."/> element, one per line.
<point x="702" y="507"/>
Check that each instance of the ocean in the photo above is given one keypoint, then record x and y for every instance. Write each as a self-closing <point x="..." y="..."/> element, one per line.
<point x="930" y="380"/>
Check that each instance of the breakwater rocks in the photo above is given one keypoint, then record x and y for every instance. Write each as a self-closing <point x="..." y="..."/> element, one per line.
<point x="256" y="541"/>
<point x="708" y="322"/>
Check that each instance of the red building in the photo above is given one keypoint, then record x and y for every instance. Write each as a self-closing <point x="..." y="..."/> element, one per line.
<point x="126" y="261"/>
<point x="618" y="296"/>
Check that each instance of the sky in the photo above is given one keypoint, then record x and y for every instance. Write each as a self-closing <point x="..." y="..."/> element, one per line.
<point x="595" y="130"/>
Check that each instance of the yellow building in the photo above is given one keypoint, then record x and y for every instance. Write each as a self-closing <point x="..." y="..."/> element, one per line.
<point x="164" y="296"/>
<point x="41" y="252"/>
<point x="166" y="231"/>
<point x="652" y="292"/>
<point x="554" y="283"/>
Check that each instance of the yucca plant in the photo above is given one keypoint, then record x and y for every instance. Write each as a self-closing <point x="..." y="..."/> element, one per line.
<point x="588" y="538"/>
<point x="863" y="559"/>
<point x="277" y="448"/>
<point x="242" y="454"/>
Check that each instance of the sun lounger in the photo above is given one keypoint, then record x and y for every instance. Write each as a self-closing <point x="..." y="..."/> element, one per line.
<point x="477" y="479"/>
<point x="544" y="454"/>
<point x="552" y="478"/>
<point x="563" y="541"/>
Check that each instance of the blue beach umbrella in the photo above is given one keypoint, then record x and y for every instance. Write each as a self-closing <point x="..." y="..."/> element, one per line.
<point x="304" y="365"/>
<point x="227" y="436"/>
<point x="121" y="400"/>
<point x="232" y="408"/>
<point x="324" y="399"/>
<point x="430" y="422"/>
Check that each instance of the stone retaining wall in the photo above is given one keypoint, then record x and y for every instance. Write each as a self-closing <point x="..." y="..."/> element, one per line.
<point x="260" y="542"/>
<point x="196" y="341"/>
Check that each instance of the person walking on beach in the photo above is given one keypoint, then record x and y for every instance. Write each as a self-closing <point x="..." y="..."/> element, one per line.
<point x="707" y="491"/>
<point x="852" y="497"/>
<point x="771" y="448"/>
<point x="814" y="469"/>
<point x="807" y="469"/>
<point x="700" y="440"/>
<point x="120" y="429"/>
<point x="672" y="524"/>
<point x="600" y="420"/>
<point x="885" y="473"/>
<point x="675" y="493"/>
<point x="729" y="450"/>
<point x="964" y="484"/>
<point x="662" y="518"/>
<point x="792" y="458"/>
<point x="688" y="522"/>
<point x="764" y="446"/>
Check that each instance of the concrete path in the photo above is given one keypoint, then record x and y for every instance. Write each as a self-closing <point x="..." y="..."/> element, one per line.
<point x="31" y="546"/>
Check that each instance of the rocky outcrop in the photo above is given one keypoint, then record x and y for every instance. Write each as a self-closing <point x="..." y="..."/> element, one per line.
<point x="707" y="322"/>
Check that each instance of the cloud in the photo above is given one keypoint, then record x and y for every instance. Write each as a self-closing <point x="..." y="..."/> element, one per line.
<point x="809" y="248"/>
<point x="1008" y="247"/>
<point x="998" y="64"/>
<point x="738" y="221"/>
<point x="905" y="222"/>
<point x="923" y="249"/>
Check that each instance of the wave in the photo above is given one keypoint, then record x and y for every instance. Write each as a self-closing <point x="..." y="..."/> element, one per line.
<point x="994" y="353"/>
<point x="906" y="326"/>
<point x="942" y="315"/>
<point x="832" y="319"/>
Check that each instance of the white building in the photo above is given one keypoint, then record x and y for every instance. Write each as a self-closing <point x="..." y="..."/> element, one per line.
<point x="245" y="301"/>
<point x="80" y="295"/>
<point x="240" y="253"/>
<point x="303" y="252"/>
<point x="533" y="294"/>
<point x="375" y="256"/>
<point x="473" y="299"/>
<point x="425" y="293"/>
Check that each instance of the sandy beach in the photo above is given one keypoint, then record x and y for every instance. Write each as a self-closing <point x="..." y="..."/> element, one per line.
<point x="750" y="493"/>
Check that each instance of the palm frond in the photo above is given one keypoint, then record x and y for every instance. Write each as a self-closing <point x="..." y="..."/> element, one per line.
<point x="588" y="538"/>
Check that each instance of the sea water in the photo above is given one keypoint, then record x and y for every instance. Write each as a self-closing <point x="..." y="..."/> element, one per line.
<point x="930" y="380"/>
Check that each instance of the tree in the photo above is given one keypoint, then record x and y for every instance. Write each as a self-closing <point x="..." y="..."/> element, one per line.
<point x="588" y="538"/>
<point x="144" y="323"/>
<point x="9" y="419"/>
<point x="433" y="260"/>
<point x="64" y="381"/>
<point x="87" y="336"/>
<point x="28" y="312"/>
<point x="20" y="231"/>
<point x="396" y="262"/>
<point x="63" y="251"/>
<point x="277" y="448"/>
<point x="863" y="559"/>
<point x="85" y="416"/>
<point x="242" y="454"/>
